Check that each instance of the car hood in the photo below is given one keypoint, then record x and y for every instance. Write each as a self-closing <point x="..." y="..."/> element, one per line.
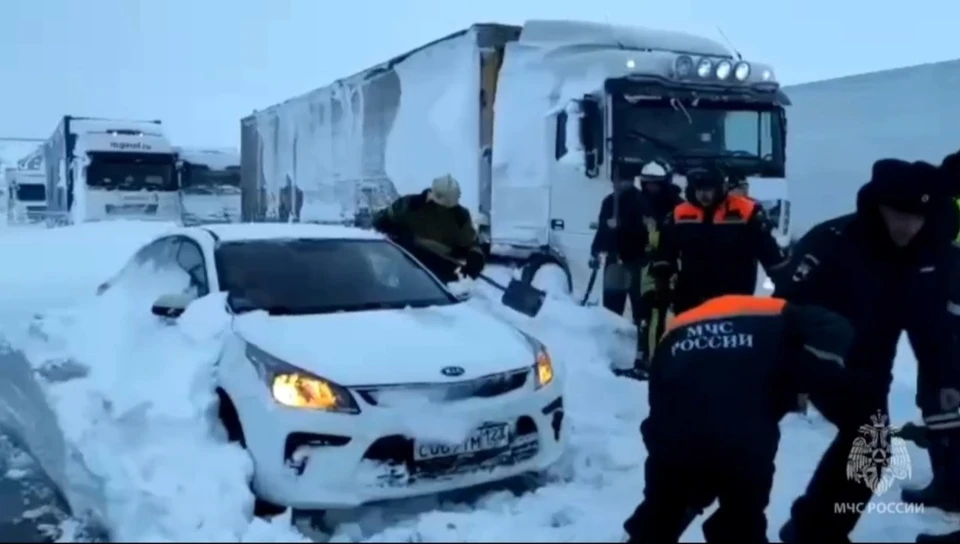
<point x="391" y="346"/>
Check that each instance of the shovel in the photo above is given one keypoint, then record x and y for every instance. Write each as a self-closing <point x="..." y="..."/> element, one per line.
<point x="517" y="295"/>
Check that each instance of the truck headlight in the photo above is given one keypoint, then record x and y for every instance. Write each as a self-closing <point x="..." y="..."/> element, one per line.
<point x="705" y="68"/>
<point x="724" y="68"/>
<point x="297" y="388"/>
<point x="543" y="368"/>
<point x="742" y="71"/>
<point x="683" y="66"/>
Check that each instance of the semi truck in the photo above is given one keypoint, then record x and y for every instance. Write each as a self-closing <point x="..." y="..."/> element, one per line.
<point x="26" y="190"/>
<point x="209" y="185"/>
<point x="99" y="169"/>
<point x="535" y="121"/>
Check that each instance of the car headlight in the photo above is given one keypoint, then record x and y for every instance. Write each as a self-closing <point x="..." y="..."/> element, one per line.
<point x="742" y="71"/>
<point x="297" y="388"/>
<point x="543" y="368"/>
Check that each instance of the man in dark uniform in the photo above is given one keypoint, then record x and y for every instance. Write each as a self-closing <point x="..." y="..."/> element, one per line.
<point x="713" y="243"/>
<point x="724" y="375"/>
<point x="435" y="229"/>
<point x="886" y="268"/>
<point x="944" y="448"/>
<point x="622" y="235"/>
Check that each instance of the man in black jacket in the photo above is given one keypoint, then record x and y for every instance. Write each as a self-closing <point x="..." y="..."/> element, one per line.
<point x="944" y="449"/>
<point x="724" y="375"/>
<point x="886" y="268"/>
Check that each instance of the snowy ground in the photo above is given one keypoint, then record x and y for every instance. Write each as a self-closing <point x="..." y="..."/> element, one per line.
<point x="142" y="416"/>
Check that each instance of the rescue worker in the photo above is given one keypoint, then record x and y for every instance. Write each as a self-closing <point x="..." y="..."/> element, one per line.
<point x="943" y="491"/>
<point x="887" y="268"/>
<point x="660" y="196"/>
<point x="724" y="375"/>
<point x="622" y="235"/>
<point x="713" y="243"/>
<point x="436" y="229"/>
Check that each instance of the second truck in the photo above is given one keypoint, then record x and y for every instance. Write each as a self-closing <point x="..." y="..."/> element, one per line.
<point x="534" y="121"/>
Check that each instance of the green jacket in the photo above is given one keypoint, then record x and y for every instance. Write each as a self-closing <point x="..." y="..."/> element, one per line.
<point x="451" y="228"/>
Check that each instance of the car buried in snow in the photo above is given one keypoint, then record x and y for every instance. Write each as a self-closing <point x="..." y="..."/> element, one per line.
<point x="350" y="373"/>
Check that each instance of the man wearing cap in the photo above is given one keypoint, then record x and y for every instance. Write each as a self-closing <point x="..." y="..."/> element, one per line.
<point x="712" y="243"/>
<point x="887" y="268"/>
<point x="436" y="229"/>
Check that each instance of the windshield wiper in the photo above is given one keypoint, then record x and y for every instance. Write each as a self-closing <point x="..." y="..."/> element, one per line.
<point x="636" y="134"/>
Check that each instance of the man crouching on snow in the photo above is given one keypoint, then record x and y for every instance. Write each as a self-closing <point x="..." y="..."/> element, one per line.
<point x="723" y="376"/>
<point x="436" y="229"/>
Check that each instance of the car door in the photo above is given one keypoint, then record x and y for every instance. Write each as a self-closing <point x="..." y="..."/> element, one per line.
<point x="189" y="257"/>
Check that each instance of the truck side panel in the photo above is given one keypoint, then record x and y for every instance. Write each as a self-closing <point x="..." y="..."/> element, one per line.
<point x="357" y="144"/>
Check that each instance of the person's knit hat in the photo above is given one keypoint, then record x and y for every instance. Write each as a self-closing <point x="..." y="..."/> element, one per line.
<point x="445" y="191"/>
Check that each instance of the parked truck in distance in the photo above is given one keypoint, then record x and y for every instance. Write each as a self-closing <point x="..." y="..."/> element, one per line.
<point x="535" y="121"/>
<point x="99" y="169"/>
<point x="209" y="185"/>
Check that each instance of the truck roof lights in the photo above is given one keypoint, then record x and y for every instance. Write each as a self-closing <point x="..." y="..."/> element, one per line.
<point x="705" y="68"/>
<point x="724" y="69"/>
<point x="683" y="66"/>
<point x="742" y="71"/>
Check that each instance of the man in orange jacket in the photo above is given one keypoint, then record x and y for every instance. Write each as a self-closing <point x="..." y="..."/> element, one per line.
<point x="713" y="243"/>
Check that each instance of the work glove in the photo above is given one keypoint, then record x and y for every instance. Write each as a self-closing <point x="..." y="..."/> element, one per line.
<point x="594" y="262"/>
<point x="473" y="265"/>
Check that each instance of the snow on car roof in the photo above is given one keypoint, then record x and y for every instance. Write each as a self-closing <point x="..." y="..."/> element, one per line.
<point x="235" y="232"/>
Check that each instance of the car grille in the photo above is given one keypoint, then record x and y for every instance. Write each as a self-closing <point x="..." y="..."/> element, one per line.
<point x="490" y="386"/>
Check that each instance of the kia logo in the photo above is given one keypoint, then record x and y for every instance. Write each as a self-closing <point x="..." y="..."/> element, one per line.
<point x="452" y="371"/>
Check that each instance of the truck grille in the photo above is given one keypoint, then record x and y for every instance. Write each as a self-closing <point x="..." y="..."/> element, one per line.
<point x="490" y="386"/>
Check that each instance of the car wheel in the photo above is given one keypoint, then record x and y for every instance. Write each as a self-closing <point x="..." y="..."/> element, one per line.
<point x="231" y="424"/>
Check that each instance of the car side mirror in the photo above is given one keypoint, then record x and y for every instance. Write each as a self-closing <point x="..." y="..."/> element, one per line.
<point x="171" y="306"/>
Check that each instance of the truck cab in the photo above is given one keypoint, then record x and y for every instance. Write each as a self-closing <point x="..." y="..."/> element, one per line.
<point x="624" y="97"/>
<point x="101" y="169"/>
<point x="210" y="185"/>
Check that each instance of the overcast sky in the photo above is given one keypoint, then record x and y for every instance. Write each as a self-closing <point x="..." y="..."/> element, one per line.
<point x="200" y="65"/>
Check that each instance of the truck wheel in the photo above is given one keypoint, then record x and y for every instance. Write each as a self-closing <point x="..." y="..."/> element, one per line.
<point x="231" y="424"/>
<point x="547" y="273"/>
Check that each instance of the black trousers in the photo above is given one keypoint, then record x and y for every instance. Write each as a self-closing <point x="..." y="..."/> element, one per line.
<point x="615" y="300"/>
<point x="683" y="480"/>
<point x="834" y="501"/>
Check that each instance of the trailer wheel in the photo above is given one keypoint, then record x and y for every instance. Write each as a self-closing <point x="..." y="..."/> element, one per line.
<point x="548" y="273"/>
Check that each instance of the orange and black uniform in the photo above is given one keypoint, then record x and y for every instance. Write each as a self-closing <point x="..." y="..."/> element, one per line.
<point x="723" y="376"/>
<point x="715" y="251"/>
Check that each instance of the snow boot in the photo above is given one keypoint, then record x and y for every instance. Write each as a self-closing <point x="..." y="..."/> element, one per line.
<point x="939" y="539"/>
<point x="790" y="534"/>
<point x="939" y="493"/>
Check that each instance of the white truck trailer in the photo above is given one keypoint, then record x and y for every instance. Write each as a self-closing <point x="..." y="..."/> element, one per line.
<point x="98" y="169"/>
<point x="534" y="121"/>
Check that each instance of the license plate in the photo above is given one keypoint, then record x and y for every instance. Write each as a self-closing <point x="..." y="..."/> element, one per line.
<point x="490" y="437"/>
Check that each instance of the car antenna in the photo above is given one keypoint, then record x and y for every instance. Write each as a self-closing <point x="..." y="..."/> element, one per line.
<point x="729" y="43"/>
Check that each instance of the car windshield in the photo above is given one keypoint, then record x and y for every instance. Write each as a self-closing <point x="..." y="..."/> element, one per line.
<point x="310" y="276"/>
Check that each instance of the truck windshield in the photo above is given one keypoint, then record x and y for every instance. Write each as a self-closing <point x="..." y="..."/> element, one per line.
<point x="31" y="193"/>
<point x="136" y="173"/>
<point x="747" y="136"/>
<point x="201" y="179"/>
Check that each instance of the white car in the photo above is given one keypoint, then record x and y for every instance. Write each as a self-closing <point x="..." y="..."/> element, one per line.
<point x="346" y="359"/>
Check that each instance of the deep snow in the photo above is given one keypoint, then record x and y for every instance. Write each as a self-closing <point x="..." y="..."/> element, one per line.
<point x="142" y="418"/>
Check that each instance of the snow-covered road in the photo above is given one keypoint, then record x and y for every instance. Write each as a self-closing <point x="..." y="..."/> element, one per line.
<point x="142" y="417"/>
